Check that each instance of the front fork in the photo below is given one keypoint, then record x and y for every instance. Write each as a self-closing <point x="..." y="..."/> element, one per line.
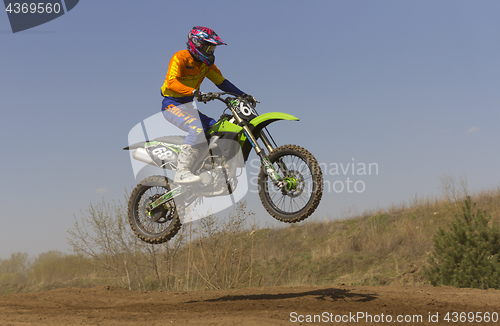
<point x="264" y="159"/>
<point x="270" y="170"/>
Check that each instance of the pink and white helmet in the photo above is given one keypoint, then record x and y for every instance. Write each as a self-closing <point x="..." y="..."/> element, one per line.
<point x="201" y="44"/>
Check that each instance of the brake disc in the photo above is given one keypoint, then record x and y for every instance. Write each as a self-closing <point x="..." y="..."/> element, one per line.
<point x="297" y="188"/>
<point x="159" y="214"/>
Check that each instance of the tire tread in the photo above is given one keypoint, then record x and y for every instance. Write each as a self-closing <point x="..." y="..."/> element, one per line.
<point x="175" y="225"/>
<point x="317" y="181"/>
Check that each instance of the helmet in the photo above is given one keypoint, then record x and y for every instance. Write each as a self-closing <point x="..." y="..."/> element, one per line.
<point x="201" y="44"/>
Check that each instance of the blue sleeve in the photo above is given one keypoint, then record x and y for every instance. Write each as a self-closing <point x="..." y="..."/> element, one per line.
<point x="227" y="86"/>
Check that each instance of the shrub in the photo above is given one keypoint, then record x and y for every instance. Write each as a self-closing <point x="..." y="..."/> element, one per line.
<point x="467" y="255"/>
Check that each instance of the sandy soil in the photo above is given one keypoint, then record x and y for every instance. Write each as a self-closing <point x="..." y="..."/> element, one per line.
<point x="257" y="306"/>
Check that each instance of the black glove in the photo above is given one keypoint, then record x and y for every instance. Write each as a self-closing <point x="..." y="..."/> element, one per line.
<point x="250" y="99"/>
<point x="199" y="96"/>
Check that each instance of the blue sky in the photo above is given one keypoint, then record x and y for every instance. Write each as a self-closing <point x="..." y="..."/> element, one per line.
<point x="410" y="86"/>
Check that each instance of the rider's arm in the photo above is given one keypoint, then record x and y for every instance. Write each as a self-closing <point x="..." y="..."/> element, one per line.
<point x="229" y="87"/>
<point x="172" y="83"/>
<point x="222" y="83"/>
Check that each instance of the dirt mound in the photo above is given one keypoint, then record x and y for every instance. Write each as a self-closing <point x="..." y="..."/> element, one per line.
<point x="256" y="306"/>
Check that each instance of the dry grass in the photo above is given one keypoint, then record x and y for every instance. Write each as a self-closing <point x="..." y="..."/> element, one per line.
<point x="387" y="246"/>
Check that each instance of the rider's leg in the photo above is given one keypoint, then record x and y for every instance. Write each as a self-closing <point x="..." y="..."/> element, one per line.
<point x="187" y="155"/>
<point x="206" y="121"/>
<point x="187" y="118"/>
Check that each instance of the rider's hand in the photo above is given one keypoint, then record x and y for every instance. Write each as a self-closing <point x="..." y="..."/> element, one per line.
<point x="198" y="95"/>
<point x="253" y="102"/>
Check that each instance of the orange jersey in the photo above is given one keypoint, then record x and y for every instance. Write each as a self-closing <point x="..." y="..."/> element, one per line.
<point x="185" y="75"/>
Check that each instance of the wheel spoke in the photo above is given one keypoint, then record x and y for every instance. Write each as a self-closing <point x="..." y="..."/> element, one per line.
<point x="291" y="166"/>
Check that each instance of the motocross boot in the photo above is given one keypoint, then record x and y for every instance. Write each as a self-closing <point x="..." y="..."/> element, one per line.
<point x="183" y="175"/>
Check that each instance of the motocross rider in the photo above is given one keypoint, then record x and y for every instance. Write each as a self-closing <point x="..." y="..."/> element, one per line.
<point x="186" y="71"/>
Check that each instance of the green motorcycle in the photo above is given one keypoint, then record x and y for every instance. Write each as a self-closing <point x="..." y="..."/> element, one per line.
<point x="290" y="182"/>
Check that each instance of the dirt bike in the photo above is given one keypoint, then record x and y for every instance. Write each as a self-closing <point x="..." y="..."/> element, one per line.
<point x="290" y="182"/>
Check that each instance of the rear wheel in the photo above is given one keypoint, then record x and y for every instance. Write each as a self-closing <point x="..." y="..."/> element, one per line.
<point x="159" y="225"/>
<point x="299" y="199"/>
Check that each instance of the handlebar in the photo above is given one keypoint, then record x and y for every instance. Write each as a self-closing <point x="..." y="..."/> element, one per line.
<point x="206" y="97"/>
<point x="202" y="97"/>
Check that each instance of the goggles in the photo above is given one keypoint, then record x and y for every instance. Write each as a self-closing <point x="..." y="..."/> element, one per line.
<point x="208" y="48"/>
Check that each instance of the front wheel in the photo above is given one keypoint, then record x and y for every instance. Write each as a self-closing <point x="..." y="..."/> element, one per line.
<point x="162" y="223"/>
<point x="299" y="198"/>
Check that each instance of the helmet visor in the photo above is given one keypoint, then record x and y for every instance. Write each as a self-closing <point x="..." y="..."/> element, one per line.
<point x="208" y="48"/>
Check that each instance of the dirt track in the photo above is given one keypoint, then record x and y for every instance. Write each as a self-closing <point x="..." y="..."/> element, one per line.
<point x="258" y="306"/>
